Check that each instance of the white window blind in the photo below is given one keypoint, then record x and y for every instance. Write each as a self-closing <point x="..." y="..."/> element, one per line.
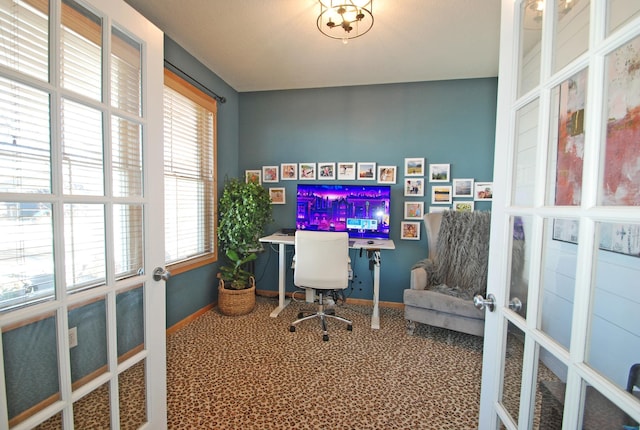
<point x="189" y="147"/>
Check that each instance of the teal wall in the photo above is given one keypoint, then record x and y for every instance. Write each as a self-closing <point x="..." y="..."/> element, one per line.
<point x="445" y="122"/>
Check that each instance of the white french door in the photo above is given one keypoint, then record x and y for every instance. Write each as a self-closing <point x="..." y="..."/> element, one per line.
<point x="81" y="175"/>
<point x="565" y="234"/>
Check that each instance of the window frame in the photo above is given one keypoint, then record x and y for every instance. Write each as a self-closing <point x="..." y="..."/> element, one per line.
<point x="188" y="90"/>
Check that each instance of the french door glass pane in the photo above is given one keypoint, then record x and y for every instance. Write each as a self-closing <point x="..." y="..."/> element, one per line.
<point x="81" y="50"/>
<point x="550" y="392"/>
<point x="93" y="410"/>
<point x="600" y="413"/>
<point x="82" y="151"/>
<point x="571" y="38"/>
<point x="559" y="254"/>
<point x="133" y="397"/>
<point x="567" y="137"/>
<point x="130" y="321"/>
<point x="89" y="356"/>
<point x="24" y="38"/>
<point x="30" y="366"/>
<point x="512" y="383"/>
<point x="520" y="255"/>
<point x="525" y="154"/>
<point x="620" y="178"/>
<point x="126" y="80"/>
<point x="614" y="338"/>
<point x="529" y="76"/>
<point x="128" y="239"/>
<point x="25" y="148"/>
<point x="84" y="230"/>
<point x="620" y="12"/>
<point x="26" y="253"/>
<point x="126" y="150"/>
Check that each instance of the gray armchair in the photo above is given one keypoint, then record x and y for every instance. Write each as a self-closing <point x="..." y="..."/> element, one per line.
<point x="443" y="285"/>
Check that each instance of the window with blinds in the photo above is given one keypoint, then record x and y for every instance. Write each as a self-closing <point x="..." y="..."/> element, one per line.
<point x="189" y="176"/>
<point x="67" y="117"/>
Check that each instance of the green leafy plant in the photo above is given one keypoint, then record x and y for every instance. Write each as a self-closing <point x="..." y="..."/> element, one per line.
<point x="244" y="210"/>
<point x="234" y="275"/>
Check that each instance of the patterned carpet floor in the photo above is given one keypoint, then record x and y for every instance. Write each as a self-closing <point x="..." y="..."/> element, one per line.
<point x="250" y="372"/>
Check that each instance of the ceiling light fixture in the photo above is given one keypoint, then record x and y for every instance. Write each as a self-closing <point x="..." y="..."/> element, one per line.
<point x="534" y="10"/>
<point x="345" y="19"/>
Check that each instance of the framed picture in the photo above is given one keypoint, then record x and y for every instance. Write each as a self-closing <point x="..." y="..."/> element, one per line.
<point x="463" y="206"/>
<point x="441" y="195"/>
<point x="269" y="173"/>
<point x="439" y="172"/>
<point x="253" y="176"/>
<point x="463" y="188"/>
<point x="277" y="195"/>
<point x="413" y="210"/>
<point x="307" y="171"/>
<point x="386" y="174"/>
<point x="483" y="191"/>
<point x="414" y="166"/>
<point x="410" y="230"/>
<point x="289" y="171"/>
<point x="326" y="171"/>
<point x="346" y="170"/>
<point x="367" y="171"/>
<point x="414" y="187"/>
<point x="619" y="238"/>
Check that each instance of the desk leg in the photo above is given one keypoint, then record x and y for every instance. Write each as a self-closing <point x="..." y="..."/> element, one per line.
<point x="375" y="316"/>
<point x="282" y="278"/>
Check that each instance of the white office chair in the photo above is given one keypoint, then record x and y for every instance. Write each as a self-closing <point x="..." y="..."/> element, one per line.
<point x="321" y="263"/>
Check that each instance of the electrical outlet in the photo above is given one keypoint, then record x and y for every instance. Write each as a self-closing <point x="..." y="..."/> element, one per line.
<point x="73" y="337"/>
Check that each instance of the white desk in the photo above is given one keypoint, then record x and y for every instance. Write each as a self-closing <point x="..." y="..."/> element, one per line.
<point x="283" y="241"/>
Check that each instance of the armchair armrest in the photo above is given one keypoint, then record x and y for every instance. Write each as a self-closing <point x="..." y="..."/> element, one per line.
<point x="422" y="274"/>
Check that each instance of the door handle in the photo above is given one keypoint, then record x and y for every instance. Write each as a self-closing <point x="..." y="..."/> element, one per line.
<point x="160" y="273"/>
<point x="515" y="304"/>
<point x="481" y="303"/>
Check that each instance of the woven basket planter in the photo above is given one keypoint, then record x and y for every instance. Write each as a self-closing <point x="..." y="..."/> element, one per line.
<point x="236" y="302"/>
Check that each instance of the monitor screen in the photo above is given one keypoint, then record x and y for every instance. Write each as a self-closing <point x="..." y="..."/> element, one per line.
<point x="361" y="210"/>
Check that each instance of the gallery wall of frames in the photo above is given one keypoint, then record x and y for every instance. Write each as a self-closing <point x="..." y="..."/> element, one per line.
<point x="425" y="186"/>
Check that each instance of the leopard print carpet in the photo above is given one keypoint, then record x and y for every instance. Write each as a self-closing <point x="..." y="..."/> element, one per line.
<point x="250" y="372"/>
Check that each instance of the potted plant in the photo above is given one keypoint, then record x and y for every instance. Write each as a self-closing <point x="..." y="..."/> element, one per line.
<point x="243" y="211"/>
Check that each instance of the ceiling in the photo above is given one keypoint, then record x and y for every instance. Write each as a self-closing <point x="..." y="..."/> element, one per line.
<point x="259" y="45"/>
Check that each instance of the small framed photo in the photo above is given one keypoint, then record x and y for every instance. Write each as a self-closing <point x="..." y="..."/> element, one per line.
<point x="463" y="206"/>
<point x="253" y="176"/>
<point x="414" y="187"/>
<point x="326" y="171"/>
<point x="269" y="173"/>
<point x="441" y="195"/>
<point x="483" y="191"/>
<point x="386" y="174"/>
<point x="463" y="188"/>
<point x="413" y="210"/>
<point x="289" y="171"/>
<point x="439" y="172"/>
<point x="277" y="195"/>
<point x="414" y="166"/>
<point x="347" y="170"/>
<point x="410" y="230"/>
<point x="307" y="171"/>
<point x="367" y="171"/>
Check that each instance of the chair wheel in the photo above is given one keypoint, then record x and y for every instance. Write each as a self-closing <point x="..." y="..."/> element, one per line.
<point x="350" y="327"/>
<point x="325" y="337"/>
<point x="300" y="315"/>
<point x="292" y="328"/>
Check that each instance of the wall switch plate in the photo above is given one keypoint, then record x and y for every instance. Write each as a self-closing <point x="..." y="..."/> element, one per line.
<point x="73" y="337"/>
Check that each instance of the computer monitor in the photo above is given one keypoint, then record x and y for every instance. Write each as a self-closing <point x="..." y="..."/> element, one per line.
<point x="361" y="210"/>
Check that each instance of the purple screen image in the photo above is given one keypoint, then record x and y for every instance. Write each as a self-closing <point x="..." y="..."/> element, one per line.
<point x="361" y="210"/>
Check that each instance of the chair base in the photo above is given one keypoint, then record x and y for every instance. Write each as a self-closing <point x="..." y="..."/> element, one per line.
<point x="323" y="315"/>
